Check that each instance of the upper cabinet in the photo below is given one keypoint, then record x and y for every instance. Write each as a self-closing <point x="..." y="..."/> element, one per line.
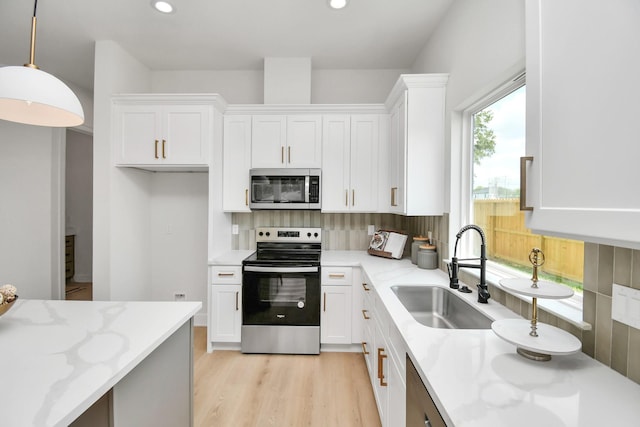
<point x="581" y="124"/>
<point x="153" y="132"/>
<point x="236" y="163"/>
<point x="286" y="141"/>
<point x="349" y="158"/>
<point x="416" y="145"/>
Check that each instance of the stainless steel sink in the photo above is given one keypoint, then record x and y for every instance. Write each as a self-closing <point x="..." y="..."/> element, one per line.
<point x="439" y="307"/>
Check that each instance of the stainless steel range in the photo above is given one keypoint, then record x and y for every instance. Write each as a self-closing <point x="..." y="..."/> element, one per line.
<point x="281" y="292"/>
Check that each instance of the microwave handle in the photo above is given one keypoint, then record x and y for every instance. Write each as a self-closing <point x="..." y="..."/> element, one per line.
<point x="306" y="188"/>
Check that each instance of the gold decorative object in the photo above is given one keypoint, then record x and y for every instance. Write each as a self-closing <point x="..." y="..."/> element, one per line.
<point x="536" y="257"/>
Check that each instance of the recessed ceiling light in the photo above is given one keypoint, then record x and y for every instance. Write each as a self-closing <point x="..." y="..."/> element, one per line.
<point x="163" y="6"/>
<point x="337" y="4"/>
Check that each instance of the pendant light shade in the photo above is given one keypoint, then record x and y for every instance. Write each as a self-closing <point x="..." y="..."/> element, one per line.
<point x="31" y="96"/>
<point x="34" y="97"/>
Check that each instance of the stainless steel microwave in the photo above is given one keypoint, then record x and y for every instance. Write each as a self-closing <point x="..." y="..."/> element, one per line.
<point x="285" y="189"/>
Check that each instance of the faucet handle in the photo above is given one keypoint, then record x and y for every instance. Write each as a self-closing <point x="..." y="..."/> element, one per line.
<point x="452" y="267"/>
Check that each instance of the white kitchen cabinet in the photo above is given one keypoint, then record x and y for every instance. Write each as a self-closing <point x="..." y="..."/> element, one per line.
<point x="168" y="132"/>
<point x="368" y="325"/>
<point x="357" y="299"/>
<point x="226" y="313"/>
<point x="225" y="304"/>
<point x="416" y="152"/>
<point x="582" y="112"/>
<point x="349" y="159"/>
<point x="286" y="141"/>
<point x="335" y="317"/>
<point x="236" y="163"/>
<point x="336" y="313"/>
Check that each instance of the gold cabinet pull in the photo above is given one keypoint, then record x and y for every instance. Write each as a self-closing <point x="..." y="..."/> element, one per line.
<point x="336" y="275"/>
<point x="237" y="297"/>
<point x="364" y="314"/>
<point x="282" y="154"/>
<point x="523" y="183"/>
<point x="225" y="274"/>
<point x="364" y="285"/>
<point x="394" y="190"/>
<point x="324" y="303"/>
<point x="246" y="197"/>
<point x="381" y="358"/>
<point x="364" y="348"/>
<point x="353" y="197"/>
<point x="288" y="154"/>
<point x="156" y="150"/>
<point x="163" y="153"/>
<point x="346" y="197"/>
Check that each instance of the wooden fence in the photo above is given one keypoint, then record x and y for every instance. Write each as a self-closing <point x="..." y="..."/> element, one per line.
<point x="508" y="239"/>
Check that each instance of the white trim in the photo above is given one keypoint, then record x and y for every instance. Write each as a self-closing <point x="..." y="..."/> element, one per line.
<point x="255" y="109"/>
<point x="58" y="154"/>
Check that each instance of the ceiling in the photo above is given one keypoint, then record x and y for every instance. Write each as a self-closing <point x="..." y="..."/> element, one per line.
<point x="218" y="34"/>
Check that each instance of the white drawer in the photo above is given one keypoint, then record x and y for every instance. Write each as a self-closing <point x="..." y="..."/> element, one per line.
<point x="337" y="275"/>
<point x="223" y="275"/>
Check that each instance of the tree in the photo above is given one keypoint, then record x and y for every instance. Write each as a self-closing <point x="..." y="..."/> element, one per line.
<point x="484" y="139"/>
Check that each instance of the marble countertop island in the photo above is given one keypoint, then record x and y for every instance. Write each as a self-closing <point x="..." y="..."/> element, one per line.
<point x="59" y="357"/>
<point x="477" y="380"/>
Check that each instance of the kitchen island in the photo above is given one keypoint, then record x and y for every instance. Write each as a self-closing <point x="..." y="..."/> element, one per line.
<point x="97" y="363"/>
<point x="477" y="380"/>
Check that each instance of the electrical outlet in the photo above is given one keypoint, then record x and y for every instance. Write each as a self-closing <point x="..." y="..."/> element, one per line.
<point x="179" y="296"/>
<point x="371" y="229"/>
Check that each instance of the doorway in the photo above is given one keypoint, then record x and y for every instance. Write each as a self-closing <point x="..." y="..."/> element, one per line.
<point x="78" y="216"/>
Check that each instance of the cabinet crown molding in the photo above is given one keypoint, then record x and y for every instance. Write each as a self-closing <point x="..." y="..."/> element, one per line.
<point x="415" y="81"/>
<point x="257" y="109"/>
<point x="218" y="102"/>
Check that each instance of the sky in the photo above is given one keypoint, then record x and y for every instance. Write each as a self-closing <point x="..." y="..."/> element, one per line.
<point x="508" y="125"/>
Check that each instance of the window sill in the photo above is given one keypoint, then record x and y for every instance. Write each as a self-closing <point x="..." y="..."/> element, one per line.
<point x="569" y="309"/>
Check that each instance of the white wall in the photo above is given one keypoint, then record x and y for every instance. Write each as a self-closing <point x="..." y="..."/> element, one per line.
<point x="79" y="200"/>
<point x="247" y="86"/>
<point x="480" y="43"/>
<point x="29" y="158"/>
<point x="117" y="194"/>
<point x="179" y="211"/>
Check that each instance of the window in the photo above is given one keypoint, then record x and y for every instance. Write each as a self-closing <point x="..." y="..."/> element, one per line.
<point x="498" y="137"/>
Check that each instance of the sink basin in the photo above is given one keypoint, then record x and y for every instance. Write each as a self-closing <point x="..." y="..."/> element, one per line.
<point x="439" y="307"/>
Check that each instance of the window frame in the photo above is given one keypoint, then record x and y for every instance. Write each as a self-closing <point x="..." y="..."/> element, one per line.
<point x="569" y="309"/>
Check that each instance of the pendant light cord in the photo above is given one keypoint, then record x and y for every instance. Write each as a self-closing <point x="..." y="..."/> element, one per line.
<point x="35" y="6"/>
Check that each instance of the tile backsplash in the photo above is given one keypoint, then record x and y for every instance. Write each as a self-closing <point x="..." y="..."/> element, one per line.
<point x="612" y="343"/>
<point x="340" y="231"/>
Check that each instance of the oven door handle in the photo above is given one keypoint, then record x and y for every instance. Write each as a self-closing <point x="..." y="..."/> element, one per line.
<point x="258" y="269"/>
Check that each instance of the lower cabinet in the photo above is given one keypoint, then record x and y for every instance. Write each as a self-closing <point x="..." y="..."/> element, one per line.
<point x="226" y="314"/>
<point x="381" y="351"/>
<point x="225" y="305"/>
<point x="336" y="307"/>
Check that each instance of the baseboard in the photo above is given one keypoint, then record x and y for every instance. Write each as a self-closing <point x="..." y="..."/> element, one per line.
<point x="200" y="319"/>
<point x="82" y="278"/>
<point x="341" y="348"/>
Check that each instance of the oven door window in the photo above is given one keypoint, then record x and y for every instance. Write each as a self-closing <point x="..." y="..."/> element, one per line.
<point x="278" y="189"/>
<point x="281" y="299"/>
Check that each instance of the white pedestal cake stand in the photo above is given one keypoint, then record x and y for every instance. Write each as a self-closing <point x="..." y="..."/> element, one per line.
<point x="536" y="341"/>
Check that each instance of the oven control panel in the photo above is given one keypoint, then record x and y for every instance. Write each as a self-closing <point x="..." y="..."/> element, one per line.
<point x="288" y="234"/>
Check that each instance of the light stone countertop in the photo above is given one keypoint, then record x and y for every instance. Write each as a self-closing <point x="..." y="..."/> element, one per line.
<point x="58" y="357"/>
<point x="478" y="380"/>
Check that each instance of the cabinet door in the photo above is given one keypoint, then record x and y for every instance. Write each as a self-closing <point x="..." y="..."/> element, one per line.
<point x="397" y="156"/>
<point x="363" y="160"/>
<point x="381" y="372"/>
<point x="582" y="126"/>
<point x="396" y="409"/>
<point x="186" y="135"/>
<point x="226" y="314"/>
<point x="335" y="317"/>
<point x="236" y="163"/>
<point x="268" y="144"/>
<point x="304" y="141"/>
<point x="336" y="152"/>
<point x="137" y="134"/>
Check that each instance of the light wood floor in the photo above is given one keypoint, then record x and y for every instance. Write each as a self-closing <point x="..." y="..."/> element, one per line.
<point x="234" y="389"/>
